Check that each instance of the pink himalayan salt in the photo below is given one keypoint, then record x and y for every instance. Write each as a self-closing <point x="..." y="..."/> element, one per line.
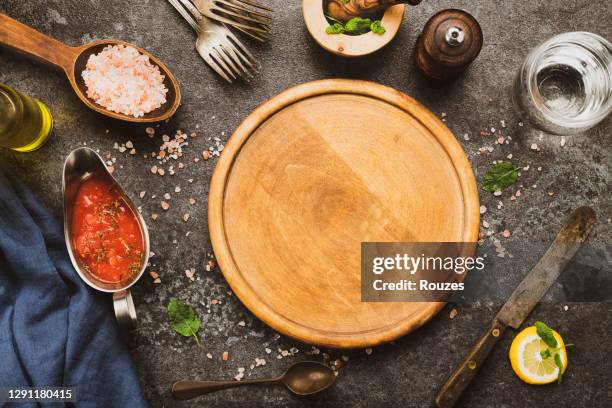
<point x="124" y="81"/>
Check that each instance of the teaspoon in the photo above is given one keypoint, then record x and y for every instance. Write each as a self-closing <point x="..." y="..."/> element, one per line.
<point x="303" y="378"/>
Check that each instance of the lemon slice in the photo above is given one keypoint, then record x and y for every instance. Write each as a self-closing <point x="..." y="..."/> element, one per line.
<point x="527" y="362"/>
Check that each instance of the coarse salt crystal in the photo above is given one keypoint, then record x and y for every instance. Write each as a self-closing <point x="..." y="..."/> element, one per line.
<point x="123" y="80"/>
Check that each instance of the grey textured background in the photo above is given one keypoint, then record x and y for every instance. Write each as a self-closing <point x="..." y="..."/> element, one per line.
<point x="408" y="372"/>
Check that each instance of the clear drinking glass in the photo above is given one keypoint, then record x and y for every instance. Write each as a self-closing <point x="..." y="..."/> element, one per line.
<point x="565" y="84"/>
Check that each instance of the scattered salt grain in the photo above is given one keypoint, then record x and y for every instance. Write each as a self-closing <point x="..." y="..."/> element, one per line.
<point x="259" y="362"/>
<point x="190" y="273"/>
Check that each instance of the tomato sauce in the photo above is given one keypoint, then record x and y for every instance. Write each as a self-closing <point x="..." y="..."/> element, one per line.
<point x="106" y="235"/>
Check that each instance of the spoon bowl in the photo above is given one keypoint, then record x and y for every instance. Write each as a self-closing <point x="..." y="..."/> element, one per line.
<point x="72" y="60"/>
<point x="308" y="377"/>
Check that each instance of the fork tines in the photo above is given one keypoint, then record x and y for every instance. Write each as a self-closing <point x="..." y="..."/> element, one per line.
<point x="230" y="59"/>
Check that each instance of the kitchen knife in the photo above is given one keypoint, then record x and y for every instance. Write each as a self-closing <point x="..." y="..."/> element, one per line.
<point x="522" y="301"/>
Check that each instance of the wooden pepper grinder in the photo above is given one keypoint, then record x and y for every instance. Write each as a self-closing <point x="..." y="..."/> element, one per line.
<point x="345" y="10"/>
<point x="450" y="41"/>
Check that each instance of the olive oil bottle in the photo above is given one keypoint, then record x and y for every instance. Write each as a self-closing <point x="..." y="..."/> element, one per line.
<point x="25" y="122"/>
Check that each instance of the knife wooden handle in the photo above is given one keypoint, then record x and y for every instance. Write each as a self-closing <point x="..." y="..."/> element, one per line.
<point x="463" y="375"/>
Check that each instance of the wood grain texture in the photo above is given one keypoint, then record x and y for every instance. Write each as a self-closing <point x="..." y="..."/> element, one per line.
<point x="72" y="60"/>
<point x="350" y="45"/>
<point x="311" y="174"/>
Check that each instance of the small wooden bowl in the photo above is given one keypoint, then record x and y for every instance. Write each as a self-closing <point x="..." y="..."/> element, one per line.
<point x="350" y="45"/>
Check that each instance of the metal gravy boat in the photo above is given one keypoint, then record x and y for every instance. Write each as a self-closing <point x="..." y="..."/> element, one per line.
<point x="81" y="164"/>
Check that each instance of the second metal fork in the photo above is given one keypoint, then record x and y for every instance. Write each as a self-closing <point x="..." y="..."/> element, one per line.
<point x="217" y="45"/>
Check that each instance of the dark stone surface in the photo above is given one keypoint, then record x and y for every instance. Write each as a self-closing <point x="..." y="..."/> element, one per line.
<point x="410" y="371"/>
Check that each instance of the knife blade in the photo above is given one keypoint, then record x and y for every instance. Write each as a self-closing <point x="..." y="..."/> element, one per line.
<point x="529" y="292"/>
<point x="522" y="301"/>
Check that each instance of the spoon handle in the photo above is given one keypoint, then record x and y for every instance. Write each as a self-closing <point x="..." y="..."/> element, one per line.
<point x="36" y="44"/>
<point x="187" y="389"/>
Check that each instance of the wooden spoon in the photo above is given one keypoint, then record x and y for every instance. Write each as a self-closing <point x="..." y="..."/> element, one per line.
<point x="344" y="11"/>
<point x="72" y="61"/>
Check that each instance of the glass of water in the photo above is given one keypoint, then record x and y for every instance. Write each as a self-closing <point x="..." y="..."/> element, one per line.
<point x="565" y="84"/>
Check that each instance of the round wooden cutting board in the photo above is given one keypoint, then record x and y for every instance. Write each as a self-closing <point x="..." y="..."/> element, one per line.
<point x="312" y="173"/>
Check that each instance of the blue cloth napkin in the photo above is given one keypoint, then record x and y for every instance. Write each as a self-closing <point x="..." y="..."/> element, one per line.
<point x="55" y="331"/>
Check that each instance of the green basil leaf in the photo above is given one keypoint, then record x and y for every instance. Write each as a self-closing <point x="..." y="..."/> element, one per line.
<point x="546" y="334"/>
<point x="335" y="28"/>
<point x="377" y="28"/>
<point x="183" y="319"/>
<point x="545" y="354"/>
<point x="499" y="177"/>
<point x="559" y="364"/>
<point x="357" y="25"/>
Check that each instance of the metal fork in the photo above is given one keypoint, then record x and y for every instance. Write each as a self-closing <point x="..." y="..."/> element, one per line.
<point x="243" y="15"/>
<point x="217" y="45"/>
